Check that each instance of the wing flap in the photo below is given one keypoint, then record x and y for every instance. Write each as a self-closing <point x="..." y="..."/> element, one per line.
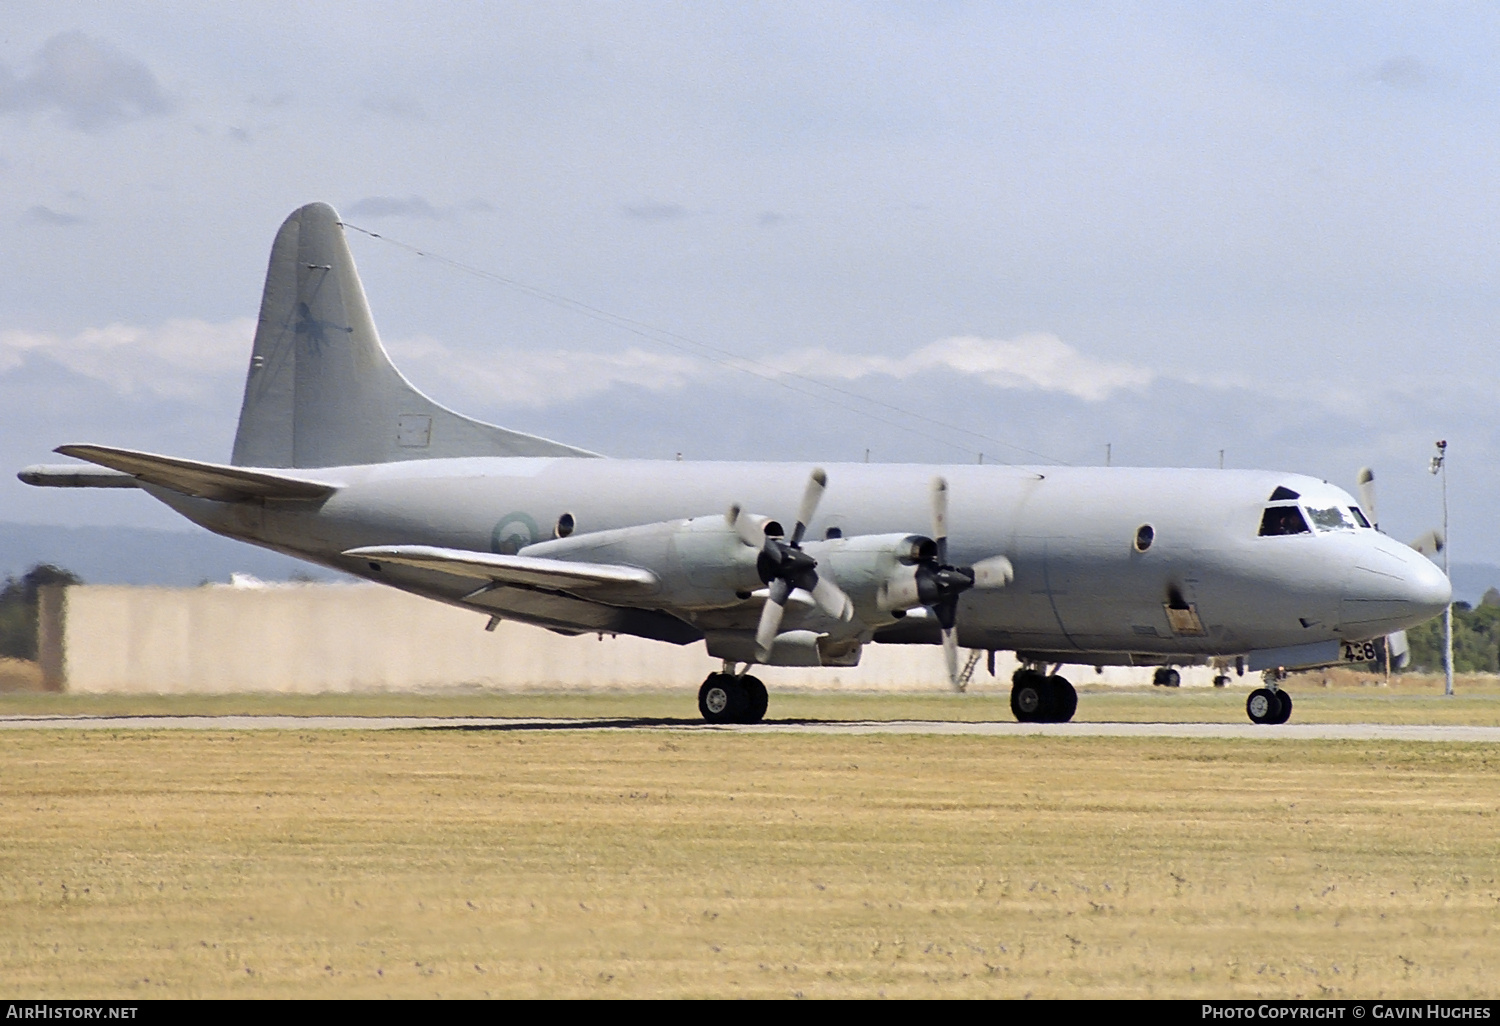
<point x="203" y="480"/>
<point x="530" y="571"/>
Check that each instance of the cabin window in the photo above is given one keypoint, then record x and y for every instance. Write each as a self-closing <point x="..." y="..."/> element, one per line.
<point x="1144" y="536"/>
<point x="1331" y="519"/>
<point x="1283" y="520"/>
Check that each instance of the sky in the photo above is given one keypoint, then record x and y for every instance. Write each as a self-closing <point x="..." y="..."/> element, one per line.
<point x="937" y="232"/>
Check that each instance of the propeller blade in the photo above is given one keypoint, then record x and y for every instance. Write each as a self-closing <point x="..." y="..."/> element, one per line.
<point x="770" y="617"/>
<point x="995" y="572"/>
<point x="950" y="654"/>
<point x="1366" y="482"/>
<point x="811" y="496"/>
<point x="750" y="528"/>
<point x="831" y="599"/>
<point x="1430" y="544"/>
<point x="939" y="496"/>
<point x="1399" y="649"/>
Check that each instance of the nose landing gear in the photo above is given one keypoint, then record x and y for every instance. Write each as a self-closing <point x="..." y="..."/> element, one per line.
<point x="1269" y="705"/>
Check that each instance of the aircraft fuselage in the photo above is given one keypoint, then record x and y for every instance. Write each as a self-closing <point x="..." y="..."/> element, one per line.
<point x="1085" y="589"/>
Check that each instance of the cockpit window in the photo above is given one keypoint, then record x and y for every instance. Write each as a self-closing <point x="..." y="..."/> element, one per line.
<point x="1331" y="519"/>
<point x="1283" y="520"/>
<point x="1283" y="494"/>
<point x="1359" y="516"/>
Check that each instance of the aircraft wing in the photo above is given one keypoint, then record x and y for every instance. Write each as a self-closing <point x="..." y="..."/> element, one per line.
<point x="204" y="480"/>
<point x="529" y="571"/>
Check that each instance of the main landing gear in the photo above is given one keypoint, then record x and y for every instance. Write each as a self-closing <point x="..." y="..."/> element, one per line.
<point x="726" y="698"/>
<point x="1036" y="697"/>
<point x="1166" y="677"/>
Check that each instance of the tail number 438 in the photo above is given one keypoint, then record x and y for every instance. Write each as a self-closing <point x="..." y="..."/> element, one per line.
<point x="1361" y="651"/>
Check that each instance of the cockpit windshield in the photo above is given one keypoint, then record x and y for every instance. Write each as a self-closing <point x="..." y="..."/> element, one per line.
<point x="1279" y="520"/>
<point x="1331" y="519"/>
<point x="1295" y="519"/>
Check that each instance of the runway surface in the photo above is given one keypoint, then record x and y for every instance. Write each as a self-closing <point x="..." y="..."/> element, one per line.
<point x="1287" y="732"/>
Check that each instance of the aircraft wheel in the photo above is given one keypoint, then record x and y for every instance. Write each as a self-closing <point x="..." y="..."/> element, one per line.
<point x="1221" y="680"/>
<point x="756" y="700"/>
<point x="721" y="699"/>
<point x="1166" y="677"/>
<point x="1263" y="706"/>
<point x="1028" y="697"/>
<point x="1064" y="701"/>
<point x="1284" y="712"/>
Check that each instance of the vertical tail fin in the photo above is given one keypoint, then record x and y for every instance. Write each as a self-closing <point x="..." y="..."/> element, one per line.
<point x="322" y="391"/>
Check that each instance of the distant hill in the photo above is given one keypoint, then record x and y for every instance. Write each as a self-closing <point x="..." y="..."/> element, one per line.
<point x="138" y="555"/>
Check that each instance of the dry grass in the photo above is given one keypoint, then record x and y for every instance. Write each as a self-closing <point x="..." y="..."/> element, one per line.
<point x="560" y="863"/>
<point x="1347" y="698"/>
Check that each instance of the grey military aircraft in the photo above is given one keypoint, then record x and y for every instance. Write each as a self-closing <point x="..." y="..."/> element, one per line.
<point x="340" y="461"/>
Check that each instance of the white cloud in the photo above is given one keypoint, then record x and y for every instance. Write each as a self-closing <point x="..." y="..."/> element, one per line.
<point x="89" y="82"/>
<point x="394" y="206"/>
<point x="538" y="379"/>
<point x="1034" y="362"/>
<point x="181" y="359"/>
<point x="190" y="359"/>
<point x="49" y="217"/>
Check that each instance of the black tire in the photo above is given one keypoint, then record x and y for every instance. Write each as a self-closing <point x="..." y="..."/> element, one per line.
<point x="1221" y="680"/>
<point x="1263" y="706"/>
<point x="1173" y="679"/>
<point x="1029" y="696"/>
<point x="756" y="700"/>
<point x="721" y="699"/>
<point x="1159" y="678"/>
<point x="1064" y="700"/>
<point x="1284" y="710"/>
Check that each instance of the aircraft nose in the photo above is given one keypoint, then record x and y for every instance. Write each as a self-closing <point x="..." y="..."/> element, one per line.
<point x="1390" y="588"/>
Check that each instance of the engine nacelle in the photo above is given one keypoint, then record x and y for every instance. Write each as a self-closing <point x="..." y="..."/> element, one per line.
<point x="701" y="562"/>
<point x="877" y="571"/>
<point x="881" y="572"/>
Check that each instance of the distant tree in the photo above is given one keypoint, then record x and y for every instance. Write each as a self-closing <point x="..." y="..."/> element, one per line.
<point x="1476" y="641"/>
<point x="18" y="608"/>
<point x="1491" y="598"/>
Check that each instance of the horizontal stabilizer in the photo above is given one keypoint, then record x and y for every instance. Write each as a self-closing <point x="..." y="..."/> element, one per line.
<point x="73" y="475"/>
<point x="203" y="480"/>
<point x="529" y="571"/>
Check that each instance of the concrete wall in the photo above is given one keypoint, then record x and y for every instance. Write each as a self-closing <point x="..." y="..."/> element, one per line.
<point x="364" y="637"/>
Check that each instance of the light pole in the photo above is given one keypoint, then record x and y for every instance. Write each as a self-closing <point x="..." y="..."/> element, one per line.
<point x="1438" y="466"/>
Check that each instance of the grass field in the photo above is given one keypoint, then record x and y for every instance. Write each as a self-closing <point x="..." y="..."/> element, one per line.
<point x="640" y="863"/>
<point x="1346" y="698"/>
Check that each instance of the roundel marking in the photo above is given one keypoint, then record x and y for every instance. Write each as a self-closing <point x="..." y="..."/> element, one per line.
<point x="513" y="532"/>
